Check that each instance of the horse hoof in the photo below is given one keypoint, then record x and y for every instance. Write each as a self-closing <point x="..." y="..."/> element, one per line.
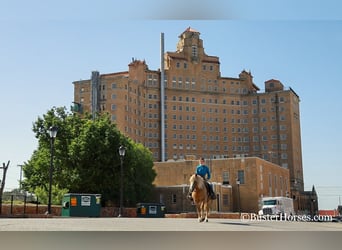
<point x="206" y="220"/>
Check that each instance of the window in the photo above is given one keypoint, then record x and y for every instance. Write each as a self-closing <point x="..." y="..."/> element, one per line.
<point x="194" y="50"/>
<point x="283" y="137"/>
<point x="241" y="176"/>
<point x="174" y="198"/>
<point x="225" y="200"/>
<point x="225" y="178"/>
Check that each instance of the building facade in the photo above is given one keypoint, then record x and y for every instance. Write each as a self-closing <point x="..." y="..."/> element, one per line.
<point x="188" y="108"/>
<point x="257" y="178"/>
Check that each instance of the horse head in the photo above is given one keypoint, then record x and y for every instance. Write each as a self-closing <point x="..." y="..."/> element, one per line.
<point x="196" y="181"/>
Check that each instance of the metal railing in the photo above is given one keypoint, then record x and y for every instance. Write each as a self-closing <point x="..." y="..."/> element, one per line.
<point x="18" y="204"/>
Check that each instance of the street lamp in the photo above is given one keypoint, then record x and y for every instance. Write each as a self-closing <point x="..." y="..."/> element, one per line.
<point x="53" y="133"/>
<point x="239" y="202"/>
<point x="122" y="151"/>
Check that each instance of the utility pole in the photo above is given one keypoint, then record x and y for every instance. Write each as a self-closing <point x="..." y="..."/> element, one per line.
<point x="2" y="182"/>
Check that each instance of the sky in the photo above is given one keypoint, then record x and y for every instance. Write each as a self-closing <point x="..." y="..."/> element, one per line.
<point x="45" y="46"/>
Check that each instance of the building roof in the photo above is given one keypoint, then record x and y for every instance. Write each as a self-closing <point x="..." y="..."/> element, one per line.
<point x="189" y="29"/>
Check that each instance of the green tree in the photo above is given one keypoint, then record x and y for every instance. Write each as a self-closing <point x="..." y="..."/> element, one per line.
<point x="87" y="160"/>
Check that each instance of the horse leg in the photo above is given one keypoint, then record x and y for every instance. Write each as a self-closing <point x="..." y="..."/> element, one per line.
<point x="202" y="212"/>
<point x="198" y="212"/>
<point x="206" y="212"/>
<point x="207" y="207"/>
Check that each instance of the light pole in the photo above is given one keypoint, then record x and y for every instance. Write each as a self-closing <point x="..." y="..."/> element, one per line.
<point x="238" y="187"/>
<point x="53" y="133"/>
<point x="122" y="151"/>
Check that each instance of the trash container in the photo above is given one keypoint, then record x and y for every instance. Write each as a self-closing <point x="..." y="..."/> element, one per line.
<point x="151" y="210"/>
<point x="81" y="205"/>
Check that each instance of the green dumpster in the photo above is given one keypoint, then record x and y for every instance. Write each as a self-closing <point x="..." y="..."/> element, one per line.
<point x="151" y="210"/>
<point x="81" y="205"/>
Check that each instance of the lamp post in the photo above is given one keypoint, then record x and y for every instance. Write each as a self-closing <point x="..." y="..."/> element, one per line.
<point x="239" y="202"/>
<point x="122" y="151"/>
<point x="53" y="133"/>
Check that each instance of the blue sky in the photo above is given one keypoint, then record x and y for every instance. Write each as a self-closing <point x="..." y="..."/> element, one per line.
<point x="44" y="47"/>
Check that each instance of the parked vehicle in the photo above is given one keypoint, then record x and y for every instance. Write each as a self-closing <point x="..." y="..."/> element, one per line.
<point x="276" y="206"/>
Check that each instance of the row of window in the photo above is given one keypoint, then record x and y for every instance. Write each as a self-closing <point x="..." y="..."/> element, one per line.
<point x="223" y="111"/>
<point x="264" y="138"/>
<point x="204" y="128"/>
<point x="184" y="65"/>
<point x="246" y="139"/>
<point x="216" y="111"/>
<point x="234" y="148"/>
<point x="204" y="87"/>
<point x="210" y="100"/>
<point x="225" y="130"/>
<point x="242" y="130"/>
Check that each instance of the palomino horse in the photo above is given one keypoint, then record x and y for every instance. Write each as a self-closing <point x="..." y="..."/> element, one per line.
<point x="200" y="197"/>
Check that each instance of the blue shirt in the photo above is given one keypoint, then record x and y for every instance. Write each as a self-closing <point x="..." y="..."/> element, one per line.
<point x="203" y="170"/>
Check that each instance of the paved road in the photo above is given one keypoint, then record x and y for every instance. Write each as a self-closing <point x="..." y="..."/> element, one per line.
<point x="158" y="224"/>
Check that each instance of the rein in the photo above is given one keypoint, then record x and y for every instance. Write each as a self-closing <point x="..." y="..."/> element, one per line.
<point x="192" y="186"/>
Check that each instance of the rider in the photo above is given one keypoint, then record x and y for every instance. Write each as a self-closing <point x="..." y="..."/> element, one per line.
<point x="204" y="172"/>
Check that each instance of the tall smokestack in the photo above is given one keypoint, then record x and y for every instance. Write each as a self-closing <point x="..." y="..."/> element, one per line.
<point x="162" y="98"/>
<point x="95" y="82"/>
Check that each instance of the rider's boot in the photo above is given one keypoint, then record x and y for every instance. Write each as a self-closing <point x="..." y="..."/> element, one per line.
<point x="212" y="195"/>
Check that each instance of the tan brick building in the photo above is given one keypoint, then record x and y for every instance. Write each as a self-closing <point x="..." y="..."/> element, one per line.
<point x="197" y="111"/>
<point x="258" y="178"/>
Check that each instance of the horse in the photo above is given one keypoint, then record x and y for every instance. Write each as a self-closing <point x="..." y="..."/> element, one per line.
<point x="200" y="197"/>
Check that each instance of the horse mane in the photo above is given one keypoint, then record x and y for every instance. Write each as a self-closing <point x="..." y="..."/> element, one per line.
<point x="198" y="179"/>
